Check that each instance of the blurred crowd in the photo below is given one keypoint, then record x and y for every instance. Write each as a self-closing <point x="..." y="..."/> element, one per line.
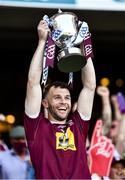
<point x="105" y="149"/>
<point x="106" y="152"/>
<point x="15" y="162"/>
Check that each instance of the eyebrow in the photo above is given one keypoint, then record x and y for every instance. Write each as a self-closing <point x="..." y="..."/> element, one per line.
<point x="60" y="95"/>
<point x="68" y="95"/>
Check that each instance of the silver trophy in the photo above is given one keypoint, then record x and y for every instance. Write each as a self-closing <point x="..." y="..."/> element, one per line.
<point x="65" y="30"/>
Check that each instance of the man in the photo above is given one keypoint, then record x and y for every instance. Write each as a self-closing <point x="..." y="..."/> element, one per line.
<point x="57" y="144"/>
<point x="117" y="170"/>
<point x="15" y="163"/>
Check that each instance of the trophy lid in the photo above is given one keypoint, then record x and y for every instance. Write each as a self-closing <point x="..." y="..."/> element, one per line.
<point x="60" y="12"/>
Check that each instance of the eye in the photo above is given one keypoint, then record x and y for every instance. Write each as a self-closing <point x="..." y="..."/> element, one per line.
<point x="57" y="97"/>
<point x="68" y="97"/>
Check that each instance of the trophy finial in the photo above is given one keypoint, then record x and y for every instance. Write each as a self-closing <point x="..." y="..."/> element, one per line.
<point x="59" y="10"/>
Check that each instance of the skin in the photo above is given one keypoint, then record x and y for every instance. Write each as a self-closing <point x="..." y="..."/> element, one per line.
<point x="58" y="104"/>
<point x="117" y="172"/>
<point x="114" y="130"/>
<point x="104" y="93"/>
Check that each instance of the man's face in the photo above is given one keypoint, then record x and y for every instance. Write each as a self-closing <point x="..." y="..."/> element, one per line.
<point x="19" y="144"/>
<point x="117" y="171"/>
<point x="58" y="103"/>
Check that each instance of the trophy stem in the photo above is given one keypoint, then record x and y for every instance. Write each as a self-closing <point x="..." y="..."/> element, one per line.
<point x="71" y="60"/>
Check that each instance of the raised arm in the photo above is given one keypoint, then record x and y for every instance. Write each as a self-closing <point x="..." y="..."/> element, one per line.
<point x="86" y="97"/>
<point x="120" y="143"/>
<point x="115" y="104"/>
<point x="104" y="93"/>
<point x="34" y="93"/>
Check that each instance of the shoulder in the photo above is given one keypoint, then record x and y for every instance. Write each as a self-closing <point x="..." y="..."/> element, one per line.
<point x="78" y="115"/>
<point x="4" y="154"/>
<point x="27" y="117"/>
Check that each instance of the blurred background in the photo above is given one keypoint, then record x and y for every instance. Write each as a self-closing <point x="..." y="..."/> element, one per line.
<point x="18" y="40"/>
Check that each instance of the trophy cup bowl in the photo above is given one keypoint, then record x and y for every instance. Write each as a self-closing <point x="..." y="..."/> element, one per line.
<point x="64" y="33"/>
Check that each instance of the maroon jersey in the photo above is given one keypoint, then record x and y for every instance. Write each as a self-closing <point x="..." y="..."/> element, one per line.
<point x="58" y="151"/>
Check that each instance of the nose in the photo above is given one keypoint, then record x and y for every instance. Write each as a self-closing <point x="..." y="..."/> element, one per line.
<point x="62" y="100"/>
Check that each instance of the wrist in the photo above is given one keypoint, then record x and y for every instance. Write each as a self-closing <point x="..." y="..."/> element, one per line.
<point x="41" y="44"/>
<point x="41" y="41"/>
<point x="105" y="99"/>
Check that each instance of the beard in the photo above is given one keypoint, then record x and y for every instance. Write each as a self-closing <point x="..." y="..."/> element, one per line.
<point x="55" y="115"/>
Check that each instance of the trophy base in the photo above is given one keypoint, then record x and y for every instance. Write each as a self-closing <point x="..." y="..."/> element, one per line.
<point x="71" y="60"/>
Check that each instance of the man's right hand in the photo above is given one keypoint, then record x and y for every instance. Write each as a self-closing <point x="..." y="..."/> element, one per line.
<point x="43" y="30"/>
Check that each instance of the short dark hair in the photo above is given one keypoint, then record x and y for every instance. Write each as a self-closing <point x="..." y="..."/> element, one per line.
<point x="56" y="84"/>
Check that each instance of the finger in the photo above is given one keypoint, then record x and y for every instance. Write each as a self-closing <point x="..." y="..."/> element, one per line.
<point x="97" y="132"/>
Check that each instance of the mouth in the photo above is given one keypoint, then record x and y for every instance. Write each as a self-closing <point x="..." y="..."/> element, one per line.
<point x="62" y="110"/>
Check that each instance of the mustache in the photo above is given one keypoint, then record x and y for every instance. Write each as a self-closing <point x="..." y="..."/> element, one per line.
<point x="55" y="115"/>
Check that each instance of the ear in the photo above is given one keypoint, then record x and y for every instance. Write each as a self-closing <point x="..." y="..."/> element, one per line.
<point x="45" y="103"/>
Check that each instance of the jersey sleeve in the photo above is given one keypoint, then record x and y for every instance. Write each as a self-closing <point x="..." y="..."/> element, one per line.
<point x="31" y="125"/>
<point x="82" y="125"/>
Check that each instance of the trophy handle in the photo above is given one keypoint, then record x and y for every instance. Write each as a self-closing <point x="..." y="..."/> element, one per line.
<point x="83" y="30"/>
<point x="79" y="24"/>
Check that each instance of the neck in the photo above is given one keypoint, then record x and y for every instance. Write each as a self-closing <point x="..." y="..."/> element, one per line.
<point x="53" y="120"/>
<point x="57" y="122"/>
<point x="22" y="155"/>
